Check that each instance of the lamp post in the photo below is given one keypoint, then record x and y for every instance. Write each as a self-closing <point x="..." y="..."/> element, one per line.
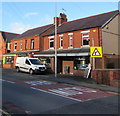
<point x="55" y="39"/>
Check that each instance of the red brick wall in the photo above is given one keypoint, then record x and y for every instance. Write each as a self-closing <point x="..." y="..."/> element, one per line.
<point x="77" y="39"/>
<point x="106" y="76"/>
<point x="36" y="43"/>
<point x="68" y="63"/>
<point x="2" y="47"/>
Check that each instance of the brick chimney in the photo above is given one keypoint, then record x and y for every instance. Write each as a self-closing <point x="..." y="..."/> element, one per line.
<point x="61" y="19"/>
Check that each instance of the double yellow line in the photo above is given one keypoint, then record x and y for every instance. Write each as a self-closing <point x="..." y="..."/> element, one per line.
<point x="4" y="112"/>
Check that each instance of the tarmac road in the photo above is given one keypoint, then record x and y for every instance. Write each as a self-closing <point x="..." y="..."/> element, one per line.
<point x="24" y="99"/>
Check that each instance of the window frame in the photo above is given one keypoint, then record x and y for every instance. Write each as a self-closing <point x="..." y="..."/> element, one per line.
<point x="32" y="45"/>
<point x="51" y="39"/>
<point x="15" y="46"/>
<point x="87" y="35"/>
<point x="61" y="41"/>
<point x="70" y="40"/>
<point x="21" y="45"/>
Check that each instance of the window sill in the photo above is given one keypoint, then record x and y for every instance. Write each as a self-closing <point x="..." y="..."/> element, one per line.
<point x="70" y="47"/>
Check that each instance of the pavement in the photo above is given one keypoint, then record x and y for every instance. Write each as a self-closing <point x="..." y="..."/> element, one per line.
<point x="75" y="80"/>
<point x="80" y="81"/>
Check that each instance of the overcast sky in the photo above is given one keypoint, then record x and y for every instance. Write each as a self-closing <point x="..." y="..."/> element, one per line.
<point x="18" y="17"/>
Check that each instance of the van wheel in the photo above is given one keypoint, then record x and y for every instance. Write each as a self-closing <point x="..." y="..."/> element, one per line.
<point x="31" y="71"/>
<point x="18" y="69"/>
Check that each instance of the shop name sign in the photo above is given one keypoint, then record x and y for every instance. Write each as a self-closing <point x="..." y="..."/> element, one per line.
<point x="8" y="55"/>
<point x="96" y="51"/>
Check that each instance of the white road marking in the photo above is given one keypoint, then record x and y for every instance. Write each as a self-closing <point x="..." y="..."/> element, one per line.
<point x="56" y="94"/>
<point x="7" y="81"/>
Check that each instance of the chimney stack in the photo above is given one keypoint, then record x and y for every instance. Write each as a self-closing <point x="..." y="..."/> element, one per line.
<point x="61" y="19"/>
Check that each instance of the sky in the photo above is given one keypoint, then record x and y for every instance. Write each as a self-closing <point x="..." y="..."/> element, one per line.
<point x="17" y="17"/>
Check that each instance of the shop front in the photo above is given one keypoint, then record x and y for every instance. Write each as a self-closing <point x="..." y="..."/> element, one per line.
<point x="69" y="61"/>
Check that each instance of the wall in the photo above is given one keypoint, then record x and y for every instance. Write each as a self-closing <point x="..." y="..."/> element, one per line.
<point x="2" y="46"/>
<point x="36" y="43"/>
<point x="69" y="64"/>
<point x="111" y="36"/>
<point x="77" y="39"/>
<point x="107" y="76"/>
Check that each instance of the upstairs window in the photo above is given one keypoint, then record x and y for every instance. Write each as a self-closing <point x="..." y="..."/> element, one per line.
<point x="70" y="40"/>
<point x="20" y="45"/>
<point x="25" y="44"/>
<point x="51" y="43"/>
<point x="61" y="42"/>
<point x="85" y="38"/>
<point x="15" y="46"/>
<point x="32" y="44"/>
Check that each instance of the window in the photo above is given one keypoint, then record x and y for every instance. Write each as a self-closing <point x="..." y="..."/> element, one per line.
<point x="81" y="63"/>
<point x="61" y="42"/>
<point x="32" y="44"/>
<point x="15" y="46"/>
<point x="25" y="44"/>
<point x="27" y="62"/>
<point x="70" y="40"/>
<point x="20" y="45"/>
<point x="85" y="39"/>
<point x="51" y="43"/>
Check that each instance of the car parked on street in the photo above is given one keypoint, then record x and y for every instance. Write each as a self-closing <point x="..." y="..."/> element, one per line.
<point x="31" y="65"/>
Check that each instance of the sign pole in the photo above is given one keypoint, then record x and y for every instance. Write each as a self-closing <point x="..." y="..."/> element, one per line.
<point x="93" y="57"/>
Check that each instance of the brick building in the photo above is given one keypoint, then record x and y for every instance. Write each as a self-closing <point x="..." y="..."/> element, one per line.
<point x="74" y="39"/>
<point x="5" y="39"/>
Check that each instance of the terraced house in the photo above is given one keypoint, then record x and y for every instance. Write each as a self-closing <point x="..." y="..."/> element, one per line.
<point x="5" y="39"/>
<point x="74" y="39"/>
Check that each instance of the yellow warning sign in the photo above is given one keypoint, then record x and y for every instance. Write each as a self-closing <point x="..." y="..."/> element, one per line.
<point x="96" y="51"/>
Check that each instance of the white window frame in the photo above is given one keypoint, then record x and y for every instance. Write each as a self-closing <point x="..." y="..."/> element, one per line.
<point x="85" y="32"/>
<point x="61" y="41"/>
<point x="70" y="40"/>
<point x="15" y="46"/>
<point x="21" y="45"/>
<point x="32" y="44"/>
<point x="51" y="39"/>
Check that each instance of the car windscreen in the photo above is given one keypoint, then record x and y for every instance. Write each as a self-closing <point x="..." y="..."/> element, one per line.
<point x="35" y="61"/>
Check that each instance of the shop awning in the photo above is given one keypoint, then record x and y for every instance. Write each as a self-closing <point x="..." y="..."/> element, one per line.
<point x="25" y="52"/>
<point x="65" y="52"/>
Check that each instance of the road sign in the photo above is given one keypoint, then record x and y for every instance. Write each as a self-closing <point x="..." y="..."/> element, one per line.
<point x="96" y="51"/>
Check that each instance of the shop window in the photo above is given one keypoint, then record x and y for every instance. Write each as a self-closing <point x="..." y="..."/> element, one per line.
<point x="81" y="63"/>
<point x="9" y="60"/>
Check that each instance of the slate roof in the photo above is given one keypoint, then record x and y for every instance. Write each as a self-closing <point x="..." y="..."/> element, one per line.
<point x="86" y="23"/>
<point x="7" y="36"/>
<point x="35" y="31"/>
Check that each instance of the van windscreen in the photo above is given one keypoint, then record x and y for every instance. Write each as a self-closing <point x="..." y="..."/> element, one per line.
<point x="35" y="62"/>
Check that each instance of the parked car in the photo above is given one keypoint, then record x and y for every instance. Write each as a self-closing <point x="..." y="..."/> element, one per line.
<point x="31" y="65"/>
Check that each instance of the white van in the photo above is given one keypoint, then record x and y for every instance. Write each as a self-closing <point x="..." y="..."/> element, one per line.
<point x="31" y="65"/>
